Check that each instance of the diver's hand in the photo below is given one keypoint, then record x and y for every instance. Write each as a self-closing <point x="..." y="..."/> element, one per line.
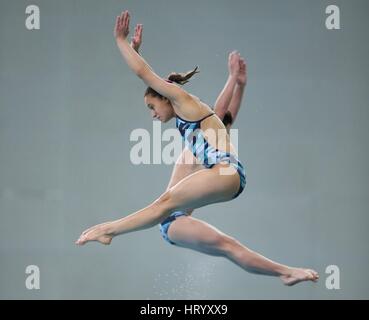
<point x="121" y="29"/>
<point x="242" y="73"/>
<point x="233" y="63"/>
<point x="136" y="40"/>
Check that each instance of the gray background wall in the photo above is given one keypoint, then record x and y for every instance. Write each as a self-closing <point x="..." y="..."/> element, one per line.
<point x="68" y="104"/>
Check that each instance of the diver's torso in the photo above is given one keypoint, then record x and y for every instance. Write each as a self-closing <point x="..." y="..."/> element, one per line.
<point x="206" y="136"/>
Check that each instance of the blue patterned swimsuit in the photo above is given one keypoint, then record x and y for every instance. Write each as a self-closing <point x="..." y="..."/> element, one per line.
<point x="207" y="155"/>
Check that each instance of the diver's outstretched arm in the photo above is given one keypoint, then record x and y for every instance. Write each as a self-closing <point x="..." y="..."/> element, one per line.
<point x="141" y="68"/>
<point x="241" y="82"/>
<point x="225" y="96"/>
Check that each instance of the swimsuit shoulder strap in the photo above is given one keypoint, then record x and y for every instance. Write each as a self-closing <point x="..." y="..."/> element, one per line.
<point x="196" y="121"/>
<point x="207" y="116"/>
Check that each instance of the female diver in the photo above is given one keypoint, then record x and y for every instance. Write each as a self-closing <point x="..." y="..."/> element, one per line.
<point x="215" y="175"/>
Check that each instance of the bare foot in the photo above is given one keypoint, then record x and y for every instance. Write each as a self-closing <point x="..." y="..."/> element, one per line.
<point x="297" y="275"/>
<point x="94" y="227"/>
<point x="98" y="233"/>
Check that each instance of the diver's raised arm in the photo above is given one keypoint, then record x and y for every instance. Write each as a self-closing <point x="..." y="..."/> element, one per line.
<point x="140" y="67"/>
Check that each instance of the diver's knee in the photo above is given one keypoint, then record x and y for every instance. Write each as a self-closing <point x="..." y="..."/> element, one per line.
<point x="165" y="202"/>
<point x="225" y="244"/>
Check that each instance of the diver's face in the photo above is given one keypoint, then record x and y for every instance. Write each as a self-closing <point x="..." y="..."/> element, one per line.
<point x="161" y="109"/>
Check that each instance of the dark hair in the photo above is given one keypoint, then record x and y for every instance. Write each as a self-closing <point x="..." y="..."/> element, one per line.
<point x="228" y="119"/>
<point x="180" y="78"/>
